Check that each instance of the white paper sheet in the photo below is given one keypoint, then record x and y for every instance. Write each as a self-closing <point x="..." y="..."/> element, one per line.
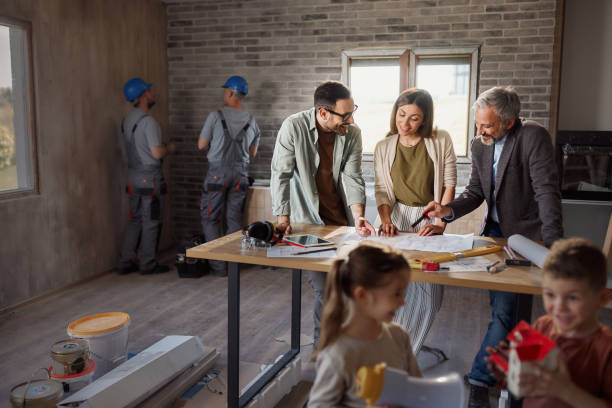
<point x="471" y="264"/>
<point x="411" y="241"/>
<point x="289" y="251"/>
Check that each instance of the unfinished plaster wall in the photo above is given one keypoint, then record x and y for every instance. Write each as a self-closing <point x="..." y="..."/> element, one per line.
<point x="83" y="52"/>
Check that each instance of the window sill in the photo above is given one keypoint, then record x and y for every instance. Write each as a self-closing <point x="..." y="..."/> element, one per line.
<point x="17" y="194"/>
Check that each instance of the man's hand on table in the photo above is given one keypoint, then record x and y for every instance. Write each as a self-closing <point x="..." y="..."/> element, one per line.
<point x="363" y="227"/>
<point x="283" y="224"/>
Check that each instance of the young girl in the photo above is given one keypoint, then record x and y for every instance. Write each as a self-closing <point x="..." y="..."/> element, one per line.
<point x="362" y="294"/>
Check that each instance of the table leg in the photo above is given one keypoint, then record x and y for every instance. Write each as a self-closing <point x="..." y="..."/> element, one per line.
<point x="523" y="312"/>
<point x="296" y="308"/>
<point x="233" y="334"/>
<point x="234" y="399"/>
<point x="524" y="306"/>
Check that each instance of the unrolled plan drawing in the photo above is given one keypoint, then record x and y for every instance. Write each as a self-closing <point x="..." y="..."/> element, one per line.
<point x="411" y="241"/>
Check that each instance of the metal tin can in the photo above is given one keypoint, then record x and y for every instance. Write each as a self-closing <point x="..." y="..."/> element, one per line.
<point x="37" y="394"/>
<point x="69" y="357"/>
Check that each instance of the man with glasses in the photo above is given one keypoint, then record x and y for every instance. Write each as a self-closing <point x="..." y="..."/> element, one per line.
<point x="316" y="172"/>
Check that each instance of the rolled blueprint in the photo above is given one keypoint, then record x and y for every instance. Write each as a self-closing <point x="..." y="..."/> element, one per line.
<point x="531" y="250"/>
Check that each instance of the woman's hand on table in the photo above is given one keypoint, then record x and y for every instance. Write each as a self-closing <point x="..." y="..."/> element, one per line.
<point x="388" y="229"/>
<point x="431" y="229"/>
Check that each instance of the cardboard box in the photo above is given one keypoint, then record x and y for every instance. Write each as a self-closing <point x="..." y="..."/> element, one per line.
<point x="133" y="381"/>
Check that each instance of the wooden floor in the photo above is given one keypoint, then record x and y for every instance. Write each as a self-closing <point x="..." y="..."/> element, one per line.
<point x="161" y="305"/>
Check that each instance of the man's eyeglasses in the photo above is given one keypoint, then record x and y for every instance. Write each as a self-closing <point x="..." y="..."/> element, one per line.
<point x="345" y="116"/>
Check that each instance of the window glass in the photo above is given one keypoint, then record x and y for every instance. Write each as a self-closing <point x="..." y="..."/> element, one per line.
<point x="15" y="152"/>
<point x="375" y="84"/>
<point x="448" y="81"/>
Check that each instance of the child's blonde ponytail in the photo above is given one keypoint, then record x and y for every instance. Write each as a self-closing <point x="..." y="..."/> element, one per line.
<point x="369" y="266"/>
<point x="333" y="309"/>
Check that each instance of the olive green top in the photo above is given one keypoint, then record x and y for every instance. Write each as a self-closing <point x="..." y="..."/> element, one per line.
<point x="413" y="175"/>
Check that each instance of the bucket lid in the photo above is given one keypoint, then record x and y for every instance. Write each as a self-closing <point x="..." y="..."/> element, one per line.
<point x="98" y="323"/>
<point x="38" y="391"/>
<point x="70" y="346"/>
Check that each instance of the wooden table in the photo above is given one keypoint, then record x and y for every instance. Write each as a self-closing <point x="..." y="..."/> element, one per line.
<point x="522" y="280"/>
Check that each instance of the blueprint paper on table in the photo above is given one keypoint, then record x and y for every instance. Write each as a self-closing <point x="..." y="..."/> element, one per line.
<point x="289" y="251"/>
<point x="411" y="241"/>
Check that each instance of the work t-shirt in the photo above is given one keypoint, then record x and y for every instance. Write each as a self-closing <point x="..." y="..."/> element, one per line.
<point x="236" y="120"/>
<point x="148" y="134"/>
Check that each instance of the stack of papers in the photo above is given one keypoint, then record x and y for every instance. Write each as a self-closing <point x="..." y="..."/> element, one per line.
<point x="290" y="251"/>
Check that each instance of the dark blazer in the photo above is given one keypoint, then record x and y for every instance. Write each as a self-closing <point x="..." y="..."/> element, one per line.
<point x="527" y="190"/>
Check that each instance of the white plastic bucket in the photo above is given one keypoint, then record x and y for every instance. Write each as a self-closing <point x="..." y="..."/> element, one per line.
<point x="107" y="335"/>
<point x="73" y="383"/>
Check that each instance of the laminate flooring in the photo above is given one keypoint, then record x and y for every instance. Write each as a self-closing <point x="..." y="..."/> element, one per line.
<point x="164" y="304"/>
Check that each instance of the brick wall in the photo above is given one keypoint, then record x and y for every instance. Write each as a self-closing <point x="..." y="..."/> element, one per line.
<point x="285" y="48"/>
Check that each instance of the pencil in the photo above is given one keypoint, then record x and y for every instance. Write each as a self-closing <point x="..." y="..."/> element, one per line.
<point x="512" y="252"/>
<point x="421" y="218"/>
<point x="291" y="243"/>
<point x="315" y="251"/>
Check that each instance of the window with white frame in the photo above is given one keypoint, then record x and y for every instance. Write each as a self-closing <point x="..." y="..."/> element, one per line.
<point x="376" y="77"/>
<point x="17" y="166"/>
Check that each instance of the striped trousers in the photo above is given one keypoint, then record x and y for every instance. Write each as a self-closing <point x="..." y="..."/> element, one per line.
<point x="423" y="300"/>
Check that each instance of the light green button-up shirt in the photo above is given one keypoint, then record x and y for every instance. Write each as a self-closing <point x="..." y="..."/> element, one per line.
<point x="295" y="163"/>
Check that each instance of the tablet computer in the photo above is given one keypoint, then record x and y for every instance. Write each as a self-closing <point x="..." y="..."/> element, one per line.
<point x="307" y="240"/>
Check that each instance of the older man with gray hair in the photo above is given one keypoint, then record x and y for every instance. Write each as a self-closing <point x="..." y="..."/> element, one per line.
<point x="513" y="170"/>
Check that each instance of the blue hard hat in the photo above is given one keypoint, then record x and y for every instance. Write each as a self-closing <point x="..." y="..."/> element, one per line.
<point x="237" y="83"/>
<point x="134" y="88"/>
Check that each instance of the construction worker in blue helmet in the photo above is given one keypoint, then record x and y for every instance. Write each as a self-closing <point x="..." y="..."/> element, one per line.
<point x="143" y="151"/>
<point x="230" y="137"/>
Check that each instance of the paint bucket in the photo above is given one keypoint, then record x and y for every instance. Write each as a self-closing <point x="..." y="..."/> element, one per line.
<point x="37" y="394"/>
<point x="74" y="382"/>
<point x="69" y="356"/>
<point x="107" y="335"/>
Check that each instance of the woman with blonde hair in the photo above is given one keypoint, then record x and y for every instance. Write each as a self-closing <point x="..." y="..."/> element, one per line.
<point x="413" y="165"/>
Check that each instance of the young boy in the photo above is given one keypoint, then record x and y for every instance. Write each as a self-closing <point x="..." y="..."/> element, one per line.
<point x="573" y="281"/>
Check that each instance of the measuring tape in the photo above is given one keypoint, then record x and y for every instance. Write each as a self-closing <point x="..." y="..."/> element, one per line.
<point x="432" y="263"/>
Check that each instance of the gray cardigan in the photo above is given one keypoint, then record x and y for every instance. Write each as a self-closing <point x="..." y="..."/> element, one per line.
<point x="527" y="189"/>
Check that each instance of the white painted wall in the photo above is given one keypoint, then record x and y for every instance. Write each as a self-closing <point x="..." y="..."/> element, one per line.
<point x="586" y="71"/>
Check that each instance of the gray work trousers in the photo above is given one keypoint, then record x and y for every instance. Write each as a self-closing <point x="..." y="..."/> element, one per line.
<point x="317" y="282"/>
<point x="142" y="231"/>
<point x="224" y="194"/>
